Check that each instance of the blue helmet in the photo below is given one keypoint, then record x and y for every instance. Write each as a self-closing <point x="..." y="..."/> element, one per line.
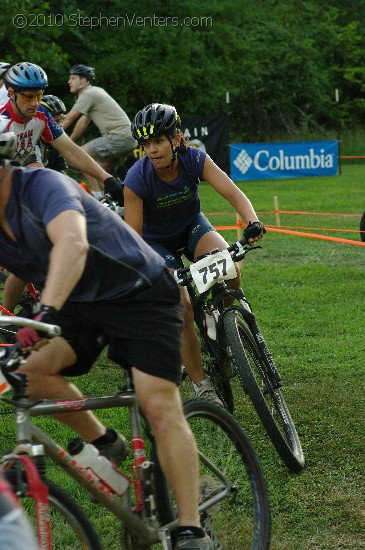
<point x="26" y="76"/>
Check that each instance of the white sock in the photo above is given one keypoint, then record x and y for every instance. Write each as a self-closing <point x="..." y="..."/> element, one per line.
<point x="197" y="385"/>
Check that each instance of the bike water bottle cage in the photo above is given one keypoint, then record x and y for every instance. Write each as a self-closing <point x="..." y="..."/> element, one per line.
<point x="26" y="76"/>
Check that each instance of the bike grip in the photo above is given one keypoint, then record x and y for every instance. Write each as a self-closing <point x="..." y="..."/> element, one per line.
<point x="51" y="330"/>
<point x="176" y="275"/>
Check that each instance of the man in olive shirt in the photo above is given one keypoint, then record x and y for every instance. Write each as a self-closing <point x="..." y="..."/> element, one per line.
<point x="95" y="104"/>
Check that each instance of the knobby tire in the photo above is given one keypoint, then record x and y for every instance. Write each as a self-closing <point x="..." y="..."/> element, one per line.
<point x="213" y="358"/>
<point x="268" y="401"/>
<point x="242" y="520"/>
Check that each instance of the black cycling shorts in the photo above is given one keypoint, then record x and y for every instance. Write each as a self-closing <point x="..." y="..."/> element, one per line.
<point x="142" y="330"/>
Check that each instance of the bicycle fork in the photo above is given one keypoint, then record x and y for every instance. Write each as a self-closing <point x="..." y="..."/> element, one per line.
<point x="32" y="487"/>
<point x="245" y="310"/>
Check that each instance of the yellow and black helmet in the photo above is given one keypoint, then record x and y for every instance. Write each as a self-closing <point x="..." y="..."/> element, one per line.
<point x="54" y="104"/>
<point x="153" y="120"/>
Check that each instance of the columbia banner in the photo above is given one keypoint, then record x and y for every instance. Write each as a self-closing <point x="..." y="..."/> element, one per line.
<point x="257" y="161"/>
<point x="210" y="134"/>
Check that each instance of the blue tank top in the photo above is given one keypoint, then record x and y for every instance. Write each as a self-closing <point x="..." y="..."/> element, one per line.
<point x="168" y="207"/>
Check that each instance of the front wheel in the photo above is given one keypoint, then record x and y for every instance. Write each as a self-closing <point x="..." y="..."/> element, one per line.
<point x="71" y="529"/>
<point x="234" y="503"/>
<point x="267" y="398"/>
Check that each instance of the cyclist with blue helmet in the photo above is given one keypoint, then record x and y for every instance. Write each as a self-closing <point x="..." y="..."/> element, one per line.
<point x="29" y="120"/>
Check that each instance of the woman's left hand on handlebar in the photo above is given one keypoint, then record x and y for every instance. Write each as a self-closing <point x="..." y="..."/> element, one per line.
<point x="254" y="231"/>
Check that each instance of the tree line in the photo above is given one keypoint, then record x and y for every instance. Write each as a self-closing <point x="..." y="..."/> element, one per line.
<point x="281" y="62"/>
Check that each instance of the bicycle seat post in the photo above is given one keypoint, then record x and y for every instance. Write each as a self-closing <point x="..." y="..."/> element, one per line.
<point x="129" y="386"/>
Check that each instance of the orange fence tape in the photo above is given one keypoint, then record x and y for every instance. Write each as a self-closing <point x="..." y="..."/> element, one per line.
<point x="297" y="233"/>
<point x="352" y="157"/>
<point x="239" y="226"/>
<point x="316" y="228"/>
<point x="288" y="212"/>
<point x="4" y="310"/>
<point x="315" y="236"/>
<point x="314" y="213"/>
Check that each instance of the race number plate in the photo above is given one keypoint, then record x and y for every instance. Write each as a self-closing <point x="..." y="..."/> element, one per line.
<point x="217" y="267"/>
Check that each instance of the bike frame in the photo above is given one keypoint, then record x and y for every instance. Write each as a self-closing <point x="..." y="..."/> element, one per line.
<point x="29" y="437"/>
<point x="212" y="302"/>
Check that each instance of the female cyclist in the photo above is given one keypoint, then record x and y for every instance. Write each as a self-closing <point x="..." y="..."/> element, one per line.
<point x="162" y="204"/>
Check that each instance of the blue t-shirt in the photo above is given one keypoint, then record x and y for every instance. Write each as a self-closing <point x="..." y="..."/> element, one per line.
<point x="169" y="207"/>
<point x="118" y="260"/>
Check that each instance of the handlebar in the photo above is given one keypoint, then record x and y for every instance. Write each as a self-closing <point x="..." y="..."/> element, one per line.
<point x="13" y="356"/>
<point x="238" y="251"/>
<point x="51" y="330"/>
<point x="108" y="202"/>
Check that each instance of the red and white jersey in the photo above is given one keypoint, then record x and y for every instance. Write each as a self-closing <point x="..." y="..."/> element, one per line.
<point x="42" y="125"/>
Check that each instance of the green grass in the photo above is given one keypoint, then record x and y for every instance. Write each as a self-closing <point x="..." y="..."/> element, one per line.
<point x="308" y="296"/>
<point x="309" y="299"/>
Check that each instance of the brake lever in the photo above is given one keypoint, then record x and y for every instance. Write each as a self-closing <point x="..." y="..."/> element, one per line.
<point x="178" y="275"/>
<point x="241" y="252"/>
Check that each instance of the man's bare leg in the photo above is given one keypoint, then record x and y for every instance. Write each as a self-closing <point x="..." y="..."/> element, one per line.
<point x="176" y="447"/>
<point x="42" y="369"/>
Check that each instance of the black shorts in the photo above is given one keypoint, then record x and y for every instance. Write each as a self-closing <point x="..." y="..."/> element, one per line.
<point x="142" y="330"/>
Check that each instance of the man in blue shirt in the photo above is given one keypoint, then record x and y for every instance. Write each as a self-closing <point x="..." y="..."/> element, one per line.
<point x="99" y="279"/>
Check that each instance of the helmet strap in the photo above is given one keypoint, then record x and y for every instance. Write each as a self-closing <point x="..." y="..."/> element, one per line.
<point x="174" y="151"/>
<point x="83" y="86"/>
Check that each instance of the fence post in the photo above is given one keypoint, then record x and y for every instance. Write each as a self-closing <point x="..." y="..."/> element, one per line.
<point x="239" y="225"/>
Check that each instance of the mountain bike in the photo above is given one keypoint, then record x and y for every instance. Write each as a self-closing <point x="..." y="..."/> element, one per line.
<point x="233" y="346"/>
<point x="234" y="504"/>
